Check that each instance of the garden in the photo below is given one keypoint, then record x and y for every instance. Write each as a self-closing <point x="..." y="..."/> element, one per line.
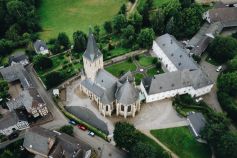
<point x="141" y="66"/>
<point x="182" y="142"/>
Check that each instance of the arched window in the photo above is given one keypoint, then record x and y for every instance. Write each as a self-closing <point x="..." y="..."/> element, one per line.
<point x="122" y="107"/>
<point x="129" y="108"/>
<point x="107" y="108"/>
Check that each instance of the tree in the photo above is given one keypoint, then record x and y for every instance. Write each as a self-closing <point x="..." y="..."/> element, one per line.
<point x="227" y="146"/>
<point x="232" y="64"/>
<point x="7" y="154"/>
<point x="123" y="9"/>
<point x="136" y="21"/>
<point x="56" y="47"/>
<point x="228" y="83"/>
<point x="146" y="37"/>
<point x="68" y="129"/>
<point x="96" y="32"/>
<point x="53" y="79"/>
<point x="132" y="1"/>
<point x="119" y="22"/>
<point x="108" y="26"/>
<point x="185" y="3"/>
<point x="158" y="22"/>
<point x="80" y="41"/>
<point x="143" y="150"/>
<point x="63" y="40"/>
<point x="129" y="36"/>
<point x="145" y="12"/>
<point x="234" y="35"/>
<point x="42" y="62"/>
<point x="3" y="90"/>
<point x="222" y="49"/>
<point x="125" y="135"/>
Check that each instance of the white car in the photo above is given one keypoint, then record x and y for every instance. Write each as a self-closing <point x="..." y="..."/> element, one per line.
<point x="219" y="69"/>
<point x="92" y="134"/>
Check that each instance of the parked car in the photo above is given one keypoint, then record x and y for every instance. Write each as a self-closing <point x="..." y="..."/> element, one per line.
<point x="219" y="69"/>
<point x="81" y="127"/>
<point x="13" y="135"/>
<point x="72" y="122"/>
<point x="92" y="134"/>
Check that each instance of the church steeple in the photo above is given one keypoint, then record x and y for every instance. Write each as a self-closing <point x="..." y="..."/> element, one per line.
<point x="92" y="51"/>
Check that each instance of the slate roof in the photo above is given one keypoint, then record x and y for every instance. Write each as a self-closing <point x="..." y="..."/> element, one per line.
<point x="175" y="52"/>
<point x="128" y="75"/>
<point x="197" y="122"/>
<point x="225" y="14"/>
<point x="18" y="58"/>
<point x="40" y="45"/>
<point x="51" y="143"/>
<point x="16" y="72"/>
<point x="37" y="139"/>
<point x="11" y="119"/>
<point x="28" y="98"/>
<point x="127" y="94"/>
<point x="92" y="51"/>
<point x="175" y="80"/>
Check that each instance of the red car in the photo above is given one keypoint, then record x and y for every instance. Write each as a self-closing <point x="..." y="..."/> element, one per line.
<point x="81" y="127"/>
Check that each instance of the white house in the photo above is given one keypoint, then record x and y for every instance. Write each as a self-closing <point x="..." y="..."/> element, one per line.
<point x="41" y="47"/>
<point x="13" y="121"/>
<point x="184" y="75"/>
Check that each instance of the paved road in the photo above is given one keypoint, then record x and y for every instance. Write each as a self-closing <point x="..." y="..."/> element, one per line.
<point x="60" y="120"/>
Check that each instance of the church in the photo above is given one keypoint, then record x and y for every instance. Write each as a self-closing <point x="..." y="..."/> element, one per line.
<point x="111" y="94"/>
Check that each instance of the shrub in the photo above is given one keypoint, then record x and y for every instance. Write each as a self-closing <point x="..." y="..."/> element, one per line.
<point x="137" y="57"/>
<point x="154" y="61"/>
<point x="68" y="129"/>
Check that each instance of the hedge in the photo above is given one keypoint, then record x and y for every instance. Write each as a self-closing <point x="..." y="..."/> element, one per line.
<point x="79" y="121"/>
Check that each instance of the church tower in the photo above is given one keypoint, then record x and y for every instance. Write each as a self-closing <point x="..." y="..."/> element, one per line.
<point x="92" y="58"/>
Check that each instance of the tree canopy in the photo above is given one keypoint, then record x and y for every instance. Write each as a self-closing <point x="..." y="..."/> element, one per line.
<point x="68" y="129"/>
<point x="42" y="62"/>
<point x="80" y="41"/>
<point x="146" y="37"/>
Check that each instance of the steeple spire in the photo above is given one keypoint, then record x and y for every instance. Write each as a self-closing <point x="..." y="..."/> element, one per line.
<point x="92" y="51"/>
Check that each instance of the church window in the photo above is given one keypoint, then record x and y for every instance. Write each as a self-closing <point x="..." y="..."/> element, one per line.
<point x="122" y="107"/>
<point x="107" y="108"/>
<point x="129" y="108"/>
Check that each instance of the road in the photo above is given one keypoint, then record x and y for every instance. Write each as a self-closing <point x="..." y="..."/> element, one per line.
<point x="104" y="148"/>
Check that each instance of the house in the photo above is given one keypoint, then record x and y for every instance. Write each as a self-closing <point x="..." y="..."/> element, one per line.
<point x="110" y="93"/>
<point x="41" y="47"/>
<point x="13" y="121"/>
<point x="196" y="122"/>
<point x="184" y="76"/>
<point x="19" y="58"/>
<point x="31" y="101"/>
<point x="28" y="96"/>
<point x="45" y="143"/>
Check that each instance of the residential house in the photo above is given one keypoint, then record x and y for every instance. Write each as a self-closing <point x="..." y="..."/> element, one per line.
<point x="53" y="144"/>
<point x="41" y="47"/>
<point x="196" y="122"/>
<point x="19" y="58"/>
<point x="13" y="121"/>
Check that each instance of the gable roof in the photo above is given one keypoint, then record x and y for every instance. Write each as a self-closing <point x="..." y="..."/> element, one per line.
<point x="175" y="52"/>
<point x="197" y="122"/>
<point x="92" y="51"/>
<point x="17" y="58"/>
<point x="175" y="80"/>
<point x="225" y="14"/>
<point x="16" y="72"/>
<point x="40" y="45"/>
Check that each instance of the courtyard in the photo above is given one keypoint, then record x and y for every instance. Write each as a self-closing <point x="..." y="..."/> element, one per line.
<point x="156" y="115"/>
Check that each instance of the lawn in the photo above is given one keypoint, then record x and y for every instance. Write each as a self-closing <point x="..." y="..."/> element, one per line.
<point x="138" y="78"/>
<point x="157" y="3"/>
<point x="145" y="60"/>
<point x="211" y="61"/>
<point x="182" y="142"/>
<point x="72" y="15"/>
<point x="119" y="68"/>
<point x="117" y="52"/>
<point x="154" y="71"/>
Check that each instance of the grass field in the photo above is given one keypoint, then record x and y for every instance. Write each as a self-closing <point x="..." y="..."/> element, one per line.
<point x="122" y="67"/>
<point x="157" y="3"/>
<point x="72" y="15"/>
<point x="182" y="142"/>
<point x="138" y="78"/>
<point x="145" y="60"/>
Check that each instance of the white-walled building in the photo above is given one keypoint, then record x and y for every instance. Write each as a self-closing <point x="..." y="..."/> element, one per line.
<point x="41" y="47"/>
<point x="184" y="75"/>
<point x="110" y="93"/>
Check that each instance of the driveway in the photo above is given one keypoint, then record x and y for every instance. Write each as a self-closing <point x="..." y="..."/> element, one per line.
<point x="211" y="98"/>
<point x="158" y="115"/>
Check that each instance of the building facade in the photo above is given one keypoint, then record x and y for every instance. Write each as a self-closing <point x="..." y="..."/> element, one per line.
<point x="183" y="76"/>
<point x="109" y="93"/>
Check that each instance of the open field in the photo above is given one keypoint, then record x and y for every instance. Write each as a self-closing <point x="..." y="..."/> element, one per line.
<point x="69" y="16"/>
<point x="157" y="3"/>
<point x="182" y="142"/>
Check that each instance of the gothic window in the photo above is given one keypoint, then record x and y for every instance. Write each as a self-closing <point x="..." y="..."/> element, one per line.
<point x="122" y="107"/>
<point x="129" y="108"/>
<point x="107" y="108"/>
